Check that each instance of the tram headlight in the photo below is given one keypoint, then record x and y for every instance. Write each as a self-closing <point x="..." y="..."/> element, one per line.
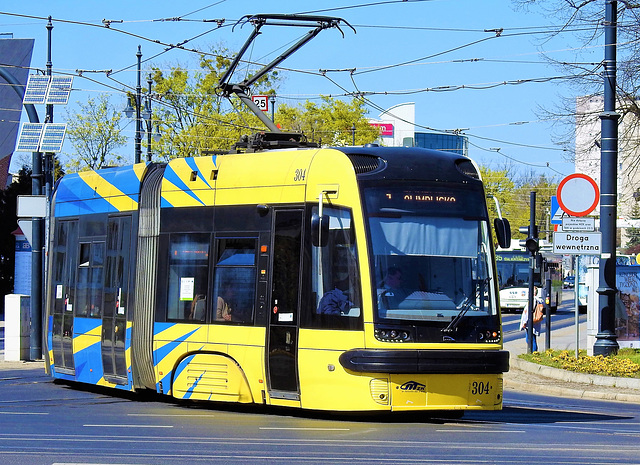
<point x="392" y="334"/>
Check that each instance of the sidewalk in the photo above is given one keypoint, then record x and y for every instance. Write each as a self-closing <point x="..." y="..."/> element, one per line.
<point x="531" y="377"/>
<point x="14" y="365"/>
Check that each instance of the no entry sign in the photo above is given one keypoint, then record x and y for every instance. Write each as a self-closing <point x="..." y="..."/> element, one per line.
<point x="578" y="194"/>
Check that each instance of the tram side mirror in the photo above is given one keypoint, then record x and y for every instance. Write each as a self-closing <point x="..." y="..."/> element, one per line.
<point x="503" y="232"/>
<point x="319" y="230"/>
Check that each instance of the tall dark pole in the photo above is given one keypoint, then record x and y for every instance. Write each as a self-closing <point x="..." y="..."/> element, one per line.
<point x="606" y="339"/>
<point x="37" y="233"/>
<point x="138" y="143"/>
<point x="48" y="157"/>
<point x="532" y="265"/>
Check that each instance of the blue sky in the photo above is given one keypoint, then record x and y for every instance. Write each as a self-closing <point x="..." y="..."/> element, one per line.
<point x="460" y="77"/>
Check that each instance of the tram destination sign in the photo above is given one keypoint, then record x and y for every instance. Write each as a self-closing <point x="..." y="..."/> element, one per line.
<point x="577" y="243"/>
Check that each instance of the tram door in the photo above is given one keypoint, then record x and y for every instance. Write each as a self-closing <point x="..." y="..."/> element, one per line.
<point x="116" y="299"/>
<point x="282" y="342"/>
<point x="63" y="276"/>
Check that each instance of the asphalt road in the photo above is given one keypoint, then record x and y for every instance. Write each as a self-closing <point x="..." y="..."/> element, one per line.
<point x="46" y="422"/>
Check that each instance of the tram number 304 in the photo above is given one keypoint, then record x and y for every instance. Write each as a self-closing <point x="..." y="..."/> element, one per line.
<point x="480" y="387"/>
<point x="299" y="175"/>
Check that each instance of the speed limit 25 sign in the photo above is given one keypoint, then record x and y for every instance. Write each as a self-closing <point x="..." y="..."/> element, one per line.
<point x="261" y="101"/>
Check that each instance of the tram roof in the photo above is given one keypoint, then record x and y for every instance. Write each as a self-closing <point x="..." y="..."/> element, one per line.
<point x="417" y="163"/>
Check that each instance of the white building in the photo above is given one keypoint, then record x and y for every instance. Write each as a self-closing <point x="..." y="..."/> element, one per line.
<point x="587" y="158"/>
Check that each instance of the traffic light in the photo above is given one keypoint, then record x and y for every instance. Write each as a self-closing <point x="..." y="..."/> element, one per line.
<point x="531" y="242"/>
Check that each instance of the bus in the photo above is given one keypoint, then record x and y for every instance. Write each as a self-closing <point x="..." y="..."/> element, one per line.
<point x="513" y="276"/>
<point x="262" y="277"/>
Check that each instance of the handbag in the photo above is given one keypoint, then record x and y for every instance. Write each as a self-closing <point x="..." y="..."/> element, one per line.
<point x="538" y="314"/>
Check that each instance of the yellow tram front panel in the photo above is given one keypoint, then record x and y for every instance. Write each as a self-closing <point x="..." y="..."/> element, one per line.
<point x="448" y="391"/>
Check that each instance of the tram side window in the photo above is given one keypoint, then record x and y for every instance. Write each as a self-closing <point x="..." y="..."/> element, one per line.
<point x="234" y="283"/>
<point x="335" y="278"/>
<point x="188" y="277"/>
<point x="90" y="279"/>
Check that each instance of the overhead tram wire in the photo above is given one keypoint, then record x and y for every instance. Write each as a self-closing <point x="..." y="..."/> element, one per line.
<point x="454" y="49"/>
<point x="509" y="157"/>
<point x="107" y="24"/>
<point x="363" y="5"/>
<point x="170" y="47"/>
<point x="200" y="52"/>
<point x="202" y="9"/>
<point x="373" y="105"/>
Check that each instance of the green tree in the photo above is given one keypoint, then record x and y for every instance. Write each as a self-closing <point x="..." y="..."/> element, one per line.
<point x="95" y="133"/>
<point x="194" y="117"/>
<point x="331" y="122"/>
<point x="544" y="188"/>
<point x="8" y="213"/>
<point x="513" y="193"/>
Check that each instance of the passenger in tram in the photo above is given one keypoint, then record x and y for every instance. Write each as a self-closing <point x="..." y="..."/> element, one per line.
<point x="223" y="308"/>
<point x="198" y="308"/>
<point x="336" y="301"/>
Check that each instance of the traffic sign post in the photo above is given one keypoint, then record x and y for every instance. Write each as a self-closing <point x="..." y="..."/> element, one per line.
<point x="578" y="195"/>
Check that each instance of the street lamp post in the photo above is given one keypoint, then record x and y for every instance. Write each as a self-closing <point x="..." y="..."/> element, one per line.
<point x="141" y="114"/>
<point x="138" y="143"/>
<point x="606" y="339"/>
<point x="273" y="107"/>
<point x="147" y="116"/>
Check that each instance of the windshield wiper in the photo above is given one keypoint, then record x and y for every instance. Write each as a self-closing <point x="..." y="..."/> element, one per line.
<point x="467" y="303"/>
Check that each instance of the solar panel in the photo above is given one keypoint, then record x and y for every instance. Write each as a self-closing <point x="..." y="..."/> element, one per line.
<point x="29" y="138"/>
<point x="53" y="137"/>
<point x="59" y="90"/>
<point x="36" y="90"/>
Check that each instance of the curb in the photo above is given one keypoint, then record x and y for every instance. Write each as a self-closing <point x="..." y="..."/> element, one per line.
<point x="574" y="393"/>
<point x="591" y="383"/>
<point x="573" y="377"/>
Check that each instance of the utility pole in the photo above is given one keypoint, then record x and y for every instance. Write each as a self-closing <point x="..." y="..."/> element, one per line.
<point x="37" y="232"/>
<point x="606" y="339"/>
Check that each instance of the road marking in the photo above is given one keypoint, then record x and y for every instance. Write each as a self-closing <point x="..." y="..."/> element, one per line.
<point x="23" y="413"/>
<point x="128" y="426"/>
<point x="167" y="415"/>
<point x="476" y="431"/>
<point x="302" y="429"/>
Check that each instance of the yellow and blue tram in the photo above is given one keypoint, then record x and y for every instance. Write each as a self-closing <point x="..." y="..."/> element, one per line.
<point x="343" y="279"/>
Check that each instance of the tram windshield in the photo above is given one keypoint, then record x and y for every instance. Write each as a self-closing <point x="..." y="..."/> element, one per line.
<point x="431" y="255"/>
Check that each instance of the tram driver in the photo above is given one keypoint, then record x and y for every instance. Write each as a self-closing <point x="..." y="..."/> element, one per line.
<point x="393" y="291"/>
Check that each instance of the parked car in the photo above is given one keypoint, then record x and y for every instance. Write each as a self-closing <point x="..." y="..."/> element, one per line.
<point x="569" y="282"/>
